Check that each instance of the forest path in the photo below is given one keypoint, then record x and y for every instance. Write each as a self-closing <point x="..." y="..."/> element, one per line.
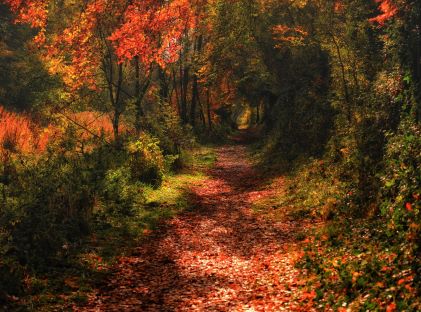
<point x="217" y="256"/>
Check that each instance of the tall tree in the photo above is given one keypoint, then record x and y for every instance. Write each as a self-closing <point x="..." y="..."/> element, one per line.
<point x="87" y="39"/>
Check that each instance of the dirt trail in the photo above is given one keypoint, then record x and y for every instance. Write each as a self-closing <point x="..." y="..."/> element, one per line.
<point x="218" y="256"/>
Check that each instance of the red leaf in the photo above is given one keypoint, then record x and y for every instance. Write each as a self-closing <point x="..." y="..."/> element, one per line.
<point x="391" y="307"/>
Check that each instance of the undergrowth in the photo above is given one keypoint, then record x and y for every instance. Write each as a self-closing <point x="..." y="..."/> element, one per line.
<point x="361" y="256"/>
<point x="122" y="206"/>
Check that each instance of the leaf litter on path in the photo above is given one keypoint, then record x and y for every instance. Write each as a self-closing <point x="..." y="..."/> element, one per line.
<point x="217" y="256"/>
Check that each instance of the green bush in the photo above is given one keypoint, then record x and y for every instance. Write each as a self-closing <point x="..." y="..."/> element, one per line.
<point x="165" y="125"/>
<point x="119" y="194"/>
<point x="11" y="272"/>
<point x="49" y="202"/>
<point x="46" y="205"/>
<point x="146" y="161"/>
<point x="401" y="184"/>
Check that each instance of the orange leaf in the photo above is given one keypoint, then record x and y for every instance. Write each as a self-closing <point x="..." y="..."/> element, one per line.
<point x="147" y="232"/>
<point x="391" y="307"/>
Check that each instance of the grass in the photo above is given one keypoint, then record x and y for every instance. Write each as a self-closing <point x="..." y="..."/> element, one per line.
<point x="88" y="263"/>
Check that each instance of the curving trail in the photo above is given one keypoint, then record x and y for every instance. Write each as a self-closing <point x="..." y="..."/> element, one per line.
<point x="218" y="256"/>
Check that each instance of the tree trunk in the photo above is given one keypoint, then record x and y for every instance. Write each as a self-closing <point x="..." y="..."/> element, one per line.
<point x="195" y="94"/>
<point x="116" y="123"/>
<point x="177" y="97"/>
<point x="344" y="82"/>
<point x="184" y="85"/>
<point x="258" y="113"/>
<point x="118" y="107"/>
<point x="163" y="84"/>
<point x="139" y="111"/>
<point x="195" y="86"/>
<point x="209" y="110"/>
<point x="140" y="91"/>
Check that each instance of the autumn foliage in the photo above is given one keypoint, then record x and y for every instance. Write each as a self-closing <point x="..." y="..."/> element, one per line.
<point x="150" y="30"/>
<point x="93" y="123"/>
<point x="388" y="9"/>
<point x="33" y="12"/>
<point x="18" y="133"/>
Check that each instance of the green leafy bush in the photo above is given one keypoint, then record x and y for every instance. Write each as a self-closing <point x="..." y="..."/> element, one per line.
<point x="165" y="125"/>
<point x="46" y="206"/>
<point x="401" y="192"/>
<point x="120" y="195"/>
<point x="48" y="202"/>
<point x="146" y="161"/>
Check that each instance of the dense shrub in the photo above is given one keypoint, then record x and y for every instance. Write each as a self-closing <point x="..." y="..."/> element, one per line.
<point x="165" y="125"/>
<point x="48" y="202"/>
<point x="46" y="205"/>
<point x="117" y="192"/>
<point x="401" y="186"/>
<point x="146" y="161"/>
<point x="299" y="116"/>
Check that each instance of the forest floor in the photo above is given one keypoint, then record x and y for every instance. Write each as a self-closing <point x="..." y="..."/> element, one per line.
<point x="218" y="255"/>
